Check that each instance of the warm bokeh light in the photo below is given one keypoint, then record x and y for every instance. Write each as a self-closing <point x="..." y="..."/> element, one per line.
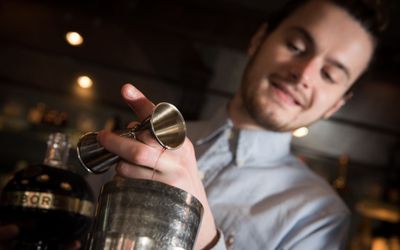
<point x="84" y="82"/>
<point x="74" y="38"/>
<point x="300" y="132"/>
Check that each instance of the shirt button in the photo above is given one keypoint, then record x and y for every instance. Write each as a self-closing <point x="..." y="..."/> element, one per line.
<point x="231" y="134"/>
<point x="200" y="174"/>
<point x="229" y="240"/>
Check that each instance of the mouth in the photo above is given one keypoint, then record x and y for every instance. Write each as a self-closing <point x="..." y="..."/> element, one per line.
<point x="286" y="95"/>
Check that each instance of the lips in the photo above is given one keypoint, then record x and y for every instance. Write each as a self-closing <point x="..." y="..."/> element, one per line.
<point x="287" y="95"/>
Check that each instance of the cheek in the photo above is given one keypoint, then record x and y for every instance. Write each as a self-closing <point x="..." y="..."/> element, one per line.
<point x="274" y="59"/>
<point x="324" y="99"/>
<point x="270" y="55"/>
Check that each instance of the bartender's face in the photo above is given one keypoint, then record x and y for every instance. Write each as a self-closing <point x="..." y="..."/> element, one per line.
<point x="300" y="71"/>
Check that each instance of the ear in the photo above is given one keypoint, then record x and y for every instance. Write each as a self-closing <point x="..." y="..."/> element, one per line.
<point x="342" y="101"/>
<point x="257" y="39"/>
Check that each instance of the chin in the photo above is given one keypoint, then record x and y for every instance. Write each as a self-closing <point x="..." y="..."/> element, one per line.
<point x="272" y="125"/>
<point x="265" y="112"/>
<point x="269" y="119"/>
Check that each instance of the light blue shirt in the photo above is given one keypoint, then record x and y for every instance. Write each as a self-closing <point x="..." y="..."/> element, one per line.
<point x="262" y="197"/>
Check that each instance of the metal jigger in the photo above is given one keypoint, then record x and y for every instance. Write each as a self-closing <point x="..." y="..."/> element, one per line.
<point x="166" y="124"/>
<point x="140" y="214"/>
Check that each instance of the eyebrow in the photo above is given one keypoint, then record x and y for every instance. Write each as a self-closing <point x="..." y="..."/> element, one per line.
<point x="310" y="40"/>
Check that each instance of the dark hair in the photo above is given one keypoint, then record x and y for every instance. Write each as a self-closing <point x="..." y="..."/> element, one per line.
<point x="371" y="14"/>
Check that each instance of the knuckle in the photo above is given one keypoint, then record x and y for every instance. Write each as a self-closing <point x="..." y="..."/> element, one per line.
<point x="180" y="173"/>
<point x="139" y="155"/>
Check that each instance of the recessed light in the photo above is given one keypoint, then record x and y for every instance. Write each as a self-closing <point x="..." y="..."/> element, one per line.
<point x="74" y="38"/>
<point x="300" y="132"/>
<point x="84" y="82"/>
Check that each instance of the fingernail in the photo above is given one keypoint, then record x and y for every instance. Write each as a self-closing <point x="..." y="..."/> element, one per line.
<point x="120" y="169"/>
<point x="130" y="93"/>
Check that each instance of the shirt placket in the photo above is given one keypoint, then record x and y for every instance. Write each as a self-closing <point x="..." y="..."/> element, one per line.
<point x="216" y="159"/>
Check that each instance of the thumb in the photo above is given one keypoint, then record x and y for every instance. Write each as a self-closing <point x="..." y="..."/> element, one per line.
<point x="137" y="101"/>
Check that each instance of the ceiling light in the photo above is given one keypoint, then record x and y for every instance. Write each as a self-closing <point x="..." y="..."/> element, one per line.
<point x="84" y="82"/>
<point x="300" y="132"/>
<point x="74" y="38"/>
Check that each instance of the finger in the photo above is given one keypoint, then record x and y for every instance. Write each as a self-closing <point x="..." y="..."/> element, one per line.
<point x="133" y="124"/>
<point x="148" y="138"/>
<point x="127" y="170"/>
<point x="131" y="171"/>
<point x="137" y="101"/>
<point x="132" y="151"/>
<point x="145" y="136"/>
<point x="8" y="232"/>
<point x="173" y="163"/>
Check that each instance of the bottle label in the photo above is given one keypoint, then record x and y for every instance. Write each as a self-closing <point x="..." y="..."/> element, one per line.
<point x="44" y="200"/>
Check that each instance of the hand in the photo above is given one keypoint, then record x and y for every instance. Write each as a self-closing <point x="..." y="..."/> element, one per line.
<point x="144" y="156"/>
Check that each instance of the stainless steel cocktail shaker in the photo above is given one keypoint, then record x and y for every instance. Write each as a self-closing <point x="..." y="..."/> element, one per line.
<point x="144" y="215"/>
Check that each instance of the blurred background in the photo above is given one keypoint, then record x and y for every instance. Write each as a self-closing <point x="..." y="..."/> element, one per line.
<point x="62" y="64"/>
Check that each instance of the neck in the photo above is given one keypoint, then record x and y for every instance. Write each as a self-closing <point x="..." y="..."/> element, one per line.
<point x="238" y="114"/>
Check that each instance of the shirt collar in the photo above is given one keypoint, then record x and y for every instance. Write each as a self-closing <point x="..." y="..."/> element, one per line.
<point x="261" y="147"/>
<point x="249" y="147"/>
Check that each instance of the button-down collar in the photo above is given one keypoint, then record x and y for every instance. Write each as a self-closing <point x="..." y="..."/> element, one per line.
<point x="249" y="147"/>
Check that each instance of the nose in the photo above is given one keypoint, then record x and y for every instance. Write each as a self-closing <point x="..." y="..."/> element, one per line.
<point x="302" y="72"/>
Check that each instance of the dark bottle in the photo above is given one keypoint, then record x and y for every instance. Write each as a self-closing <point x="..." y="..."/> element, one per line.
<point x="51" y="205"/>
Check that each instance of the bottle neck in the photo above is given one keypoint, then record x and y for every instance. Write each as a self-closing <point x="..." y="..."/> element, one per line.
<point x="57" y="151"/>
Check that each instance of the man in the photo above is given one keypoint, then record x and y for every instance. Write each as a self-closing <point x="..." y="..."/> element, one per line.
<point x="255" y="194"/>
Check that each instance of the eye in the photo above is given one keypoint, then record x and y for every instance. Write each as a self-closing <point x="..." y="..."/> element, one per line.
<point x="294" y="48"/>
<point x="327" y="76"/>
<point x="295" y="44"/>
